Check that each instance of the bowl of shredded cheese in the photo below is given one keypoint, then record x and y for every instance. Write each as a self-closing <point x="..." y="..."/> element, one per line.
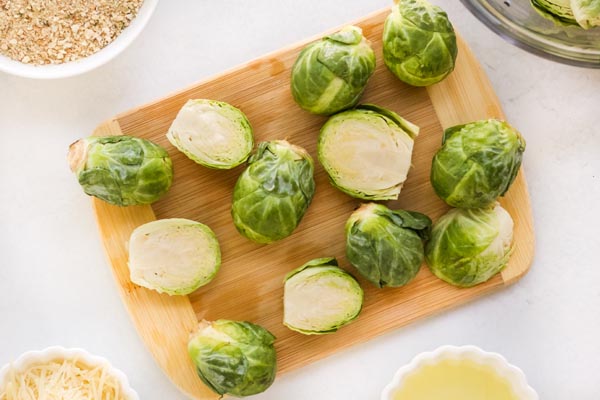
<point x="59" y="373"/>
<point x="48" y="39"/>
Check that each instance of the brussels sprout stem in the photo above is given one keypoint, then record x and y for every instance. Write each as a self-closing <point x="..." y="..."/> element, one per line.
<point x="77" y="155"/>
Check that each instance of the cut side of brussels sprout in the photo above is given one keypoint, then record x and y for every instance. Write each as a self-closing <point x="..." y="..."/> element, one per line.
<point x="419" y="43"/>
<point x="212" y="133"/>
<point x="121" y="170"/>
<point x="331" y="74"/>
<point x="367" y="151"/>
<point x="319" y="298"/>
<point x="586" y="12"/>
<point x="558" y="11"/>
<point x="236" y="358"/>
<point x="468" y="247"/>
<point x="477" y="163"/>
<point x="386" y="246"/>
<point x="174" y="256"/>
<point x="273" y="193"/>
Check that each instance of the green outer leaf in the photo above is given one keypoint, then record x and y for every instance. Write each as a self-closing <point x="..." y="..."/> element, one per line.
<point x="325" y="266"/>
<point x="385" y="246"/>
<point x="273" y="193"/>
<point x="330" y="75"/>
<point x="557" y="11"/>
<point x="237" y="152"/>
<point x="317" y="262"/>
<point x="419" y="43"/>
<point x="457" y="253"/>
<point x="586" y="12"/>
<point x="477" y="163"/>
<point x="124" y="170"/>
<point x="411" y="129"/>
<point x="372" y="114"/>
<point x="236" y="358"/>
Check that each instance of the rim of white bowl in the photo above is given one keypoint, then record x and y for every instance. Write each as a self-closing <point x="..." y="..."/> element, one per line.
<point x="513" y="374"/>
<point x="58" y="353"/>
<point x="101" y="57"/>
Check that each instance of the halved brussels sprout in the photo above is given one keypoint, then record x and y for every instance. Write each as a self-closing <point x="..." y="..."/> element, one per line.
<point x="367" y="151"/>
<point x="476" y="163"/>
<point x="212" y="133"/>
<point x="586" y="12"/>
<point x="319" y="298"/>
<point x="236" y="358"/>
<point x="174" y="256"/>
<point x="331" y="74"/>
<point x="386" y="246"/>
<point x="419" y="43"/>
<point x="273" y="193"/>
<point x="121" y="170"/>
<point x="468" y="247"/>
<point x="558" y="11"/>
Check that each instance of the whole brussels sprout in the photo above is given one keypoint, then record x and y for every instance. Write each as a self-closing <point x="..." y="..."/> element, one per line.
<point x="468" y="247"/>
<point x="174" y="256"/>
<point x="558" y="11"/>
<point x="386" y="246"/>
<point x="121" y="170"/>
<point x="367" y="151"/>
<point x="212" y="133"/>
<point x="319" y="298"/>
<point x="476" y="163"/>
<point x="419" y="43"/>
<point x="273" y="193"/>
<point x="234" y="357"/>
<point x="331" y="74"/>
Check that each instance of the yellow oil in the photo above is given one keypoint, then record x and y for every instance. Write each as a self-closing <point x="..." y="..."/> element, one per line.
<point x="455" y="380"/>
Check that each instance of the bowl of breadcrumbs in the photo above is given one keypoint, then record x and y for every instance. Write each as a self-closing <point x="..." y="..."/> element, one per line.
<point x="49" y="39"/>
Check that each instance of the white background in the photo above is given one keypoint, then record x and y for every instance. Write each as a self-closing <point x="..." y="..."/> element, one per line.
<point x="56" y="287"/>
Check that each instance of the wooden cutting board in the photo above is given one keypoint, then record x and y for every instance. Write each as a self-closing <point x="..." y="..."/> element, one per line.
<point x="249" y="284"/>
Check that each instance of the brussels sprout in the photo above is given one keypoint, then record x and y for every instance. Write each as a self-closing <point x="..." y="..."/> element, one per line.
<point x="586" y="12"/>
<point x="367" y="151"/>
<point x="386" y="246"/>
<point x="476" y="163"/>
<point x="273" y="193"/>
<point x="121" y="170"/>
<point x="419" y="43"/>
<point x="331" y="74"/>
<point x="234" y="357"/>
<point x="319" y="298"/>
<point x="468" y="247"/>
<point x="173" y="256"/>
<point x="212" y="133"/>
<point x="558" y="11"/>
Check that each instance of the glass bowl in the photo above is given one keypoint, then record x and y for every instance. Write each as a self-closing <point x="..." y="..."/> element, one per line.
<point x="518" y="23"/>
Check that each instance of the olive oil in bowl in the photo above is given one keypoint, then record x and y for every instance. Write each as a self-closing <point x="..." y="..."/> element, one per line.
<point x="455" y="379"/>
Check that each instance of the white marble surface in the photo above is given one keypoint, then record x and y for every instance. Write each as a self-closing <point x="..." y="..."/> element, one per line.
<point x="55" y="285"/>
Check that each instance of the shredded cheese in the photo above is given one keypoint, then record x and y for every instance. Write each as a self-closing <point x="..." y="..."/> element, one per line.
<point x="61" y="380"/>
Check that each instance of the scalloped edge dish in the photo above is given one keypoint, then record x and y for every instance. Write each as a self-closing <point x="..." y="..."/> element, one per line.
<point x="60" y="353"/>
<point x="512" y="374"/>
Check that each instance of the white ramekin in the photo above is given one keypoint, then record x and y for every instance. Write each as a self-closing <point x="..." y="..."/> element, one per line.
<point x="85" y="64"/>
<point x="59" y="353"/>
<point x="514" y="375"/>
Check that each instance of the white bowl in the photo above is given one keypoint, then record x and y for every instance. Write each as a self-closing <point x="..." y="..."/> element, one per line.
<point x="85" y="64"/>
<point x="59" y="353"/>
<point x="514" y="375"/>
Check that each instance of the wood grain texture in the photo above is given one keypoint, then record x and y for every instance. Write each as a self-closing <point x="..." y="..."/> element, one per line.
<point x="163" y="322"/>
<point x="249" y="284"/>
